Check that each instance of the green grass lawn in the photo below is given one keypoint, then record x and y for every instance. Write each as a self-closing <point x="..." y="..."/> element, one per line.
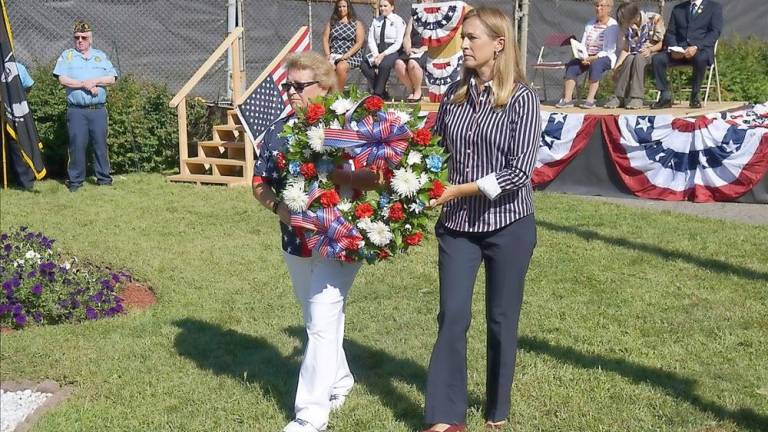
<point x="633" y="320"/>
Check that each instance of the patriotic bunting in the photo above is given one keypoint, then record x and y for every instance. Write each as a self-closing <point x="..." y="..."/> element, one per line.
<point x="438" y="23"/>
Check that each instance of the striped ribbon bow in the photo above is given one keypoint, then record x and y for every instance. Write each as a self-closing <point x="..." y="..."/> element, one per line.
<point x="378" y="142"/>
<point x="333" y="235"/>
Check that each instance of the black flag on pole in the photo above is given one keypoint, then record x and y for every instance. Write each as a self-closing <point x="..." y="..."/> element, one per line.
<point x="19" y="123"/>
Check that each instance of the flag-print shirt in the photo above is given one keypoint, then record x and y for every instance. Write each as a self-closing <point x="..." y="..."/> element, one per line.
<point x="265" y="171"/>
<point x="495" y="148"/>
<point x="601" y="39"/>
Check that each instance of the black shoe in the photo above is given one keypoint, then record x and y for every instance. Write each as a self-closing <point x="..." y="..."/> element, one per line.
<point x="695" y="102"/>
<point x="73" y="188"/>
<point x="662" y="103"/>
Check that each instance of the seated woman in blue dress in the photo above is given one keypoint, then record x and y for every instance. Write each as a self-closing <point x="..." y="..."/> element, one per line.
<point x="343" y="40"/>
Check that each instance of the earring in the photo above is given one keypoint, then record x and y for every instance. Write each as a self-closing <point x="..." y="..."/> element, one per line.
<point x="495" y="54"/>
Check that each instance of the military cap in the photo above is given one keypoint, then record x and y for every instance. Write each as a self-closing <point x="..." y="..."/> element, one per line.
<point x="82" y="27"/>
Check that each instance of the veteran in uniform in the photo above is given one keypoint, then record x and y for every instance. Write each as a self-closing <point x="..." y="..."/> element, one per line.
<point x="85" y="72"/>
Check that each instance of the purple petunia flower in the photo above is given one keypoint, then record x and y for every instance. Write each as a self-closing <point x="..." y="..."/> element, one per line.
<point x="3" y="237"/>
<point x="16" y="282"/>
<point x="4" y="308"/>
<point x="17" y="309"/>
<point x="37" y="289"/>
<point x="7" y="248"/>
<point x="20" y="319"/>
<point x="96" y="298"/>
<point x="106" y="283"/>
<point x="91" y="313"/>
<point x="37" y="316"/>
<point x="47" y="267"/>
<point x="32" y="274"/>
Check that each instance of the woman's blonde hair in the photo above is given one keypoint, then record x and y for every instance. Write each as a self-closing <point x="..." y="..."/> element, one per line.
<point x="507" y="71"/>
<point x="597" y="2"/>
<point x="321" y="69"/>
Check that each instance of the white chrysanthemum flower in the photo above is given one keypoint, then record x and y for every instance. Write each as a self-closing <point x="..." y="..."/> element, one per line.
<point x="403" y="116"/>
<point x="32" y="255"/>
<point x="379" y="234"/>
<point x="316" y="138"/>
<point x="294" y="197"/>
<point x="335" y="124"/>
<point x="405" y="182"/>
<point x="344" y="206"/>
<point x="423" y="179"/>
<point x="342" y="105"/>
<point x="414" y="158"/>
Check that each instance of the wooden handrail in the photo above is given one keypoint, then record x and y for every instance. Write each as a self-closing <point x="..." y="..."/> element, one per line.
<point x="272" y="65"/>
<point x="198" y="75"/>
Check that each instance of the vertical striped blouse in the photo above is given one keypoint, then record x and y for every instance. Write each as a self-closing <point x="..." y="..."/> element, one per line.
<point x="495" y="148"/>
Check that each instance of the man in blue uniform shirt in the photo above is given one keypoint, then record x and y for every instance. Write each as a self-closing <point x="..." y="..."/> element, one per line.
<point x="85" y="72"/>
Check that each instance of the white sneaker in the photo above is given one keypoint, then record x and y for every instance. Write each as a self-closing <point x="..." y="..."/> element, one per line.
<point x="337" y="400"/>
<point x="299" y="425"/>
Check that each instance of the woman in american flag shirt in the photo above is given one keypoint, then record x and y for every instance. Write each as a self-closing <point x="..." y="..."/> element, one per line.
<point x="321" y="285"/>
<point x="490" y="125"/>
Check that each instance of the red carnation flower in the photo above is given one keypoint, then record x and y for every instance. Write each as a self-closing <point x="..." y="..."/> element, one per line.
<point x="396" y="212"/>
<point x="329" y="198"/>
<point x="383" y="254"/>
<point x="364" y="210"/>
<point x="374" y="103"/>
<point x="414" y="239"/>
<point x="281" y="164"/>
<point x="308" y="170"/>
<point x="315" y="112"/>
<point x="437" y="189"/>
<point x="422" y="137"/>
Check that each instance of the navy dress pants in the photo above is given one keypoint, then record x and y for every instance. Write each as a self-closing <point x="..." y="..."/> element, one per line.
<point x="84" y="125"/>
<point x="506" y="253"/>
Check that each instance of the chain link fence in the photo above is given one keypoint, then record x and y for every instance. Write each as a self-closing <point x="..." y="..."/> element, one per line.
<point x="165" y="41"/>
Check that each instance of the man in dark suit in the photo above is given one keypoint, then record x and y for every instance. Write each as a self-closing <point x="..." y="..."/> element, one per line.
<point x="694" y="27"/>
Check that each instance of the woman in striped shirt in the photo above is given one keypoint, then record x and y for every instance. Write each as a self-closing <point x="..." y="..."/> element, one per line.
<point x="489" y="123"/>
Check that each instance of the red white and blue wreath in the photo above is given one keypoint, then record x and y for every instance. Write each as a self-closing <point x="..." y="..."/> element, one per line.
<point x="360" y="131"/>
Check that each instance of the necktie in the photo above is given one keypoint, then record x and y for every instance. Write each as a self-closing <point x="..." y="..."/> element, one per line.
<point x="382" y="44"/>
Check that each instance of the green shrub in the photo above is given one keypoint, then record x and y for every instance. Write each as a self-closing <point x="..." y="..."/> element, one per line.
<point x="143" y="131"/>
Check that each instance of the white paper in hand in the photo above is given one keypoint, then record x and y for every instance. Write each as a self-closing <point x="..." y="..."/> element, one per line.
<point x="579" y="49"/>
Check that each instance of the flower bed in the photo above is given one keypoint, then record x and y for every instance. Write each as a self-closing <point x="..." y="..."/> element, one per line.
<point x="363" y="132"/>
<point x="41" y="286"/>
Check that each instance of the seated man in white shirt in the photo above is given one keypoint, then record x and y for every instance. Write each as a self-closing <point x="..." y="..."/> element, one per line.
<point x="385" y="38"/>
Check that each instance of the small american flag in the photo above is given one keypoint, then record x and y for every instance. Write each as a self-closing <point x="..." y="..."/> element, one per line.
<point x="267" y="102"/>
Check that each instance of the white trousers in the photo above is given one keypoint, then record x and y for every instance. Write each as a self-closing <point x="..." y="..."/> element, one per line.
<point x="321" y="286"/>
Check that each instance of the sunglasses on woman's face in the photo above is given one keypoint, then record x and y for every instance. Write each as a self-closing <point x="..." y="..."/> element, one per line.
<point x="297" y="85"/>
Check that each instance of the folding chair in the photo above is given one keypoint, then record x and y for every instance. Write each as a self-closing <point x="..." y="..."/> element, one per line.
<point x="553" y="40"/>
<point x="708" y="86"/>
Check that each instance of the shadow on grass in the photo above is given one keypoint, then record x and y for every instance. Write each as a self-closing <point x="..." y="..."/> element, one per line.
<point x="671" y="383"/>
<point x="255" y="361"/>
<point x="705" y="263"/>
<point x="246" y="358"/>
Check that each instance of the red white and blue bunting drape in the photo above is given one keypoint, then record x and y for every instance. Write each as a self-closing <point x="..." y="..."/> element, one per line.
<point x="717" y="157"/>
<point x="438" y="23"/>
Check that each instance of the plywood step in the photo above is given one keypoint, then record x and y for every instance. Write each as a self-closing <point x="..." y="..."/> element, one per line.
<point x="215" y="161"/>
<point x="208" y="179"/>
<point x="222" y="144"/>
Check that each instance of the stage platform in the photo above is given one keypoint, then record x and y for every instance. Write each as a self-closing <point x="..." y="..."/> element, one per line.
<point x="677" y="110"/>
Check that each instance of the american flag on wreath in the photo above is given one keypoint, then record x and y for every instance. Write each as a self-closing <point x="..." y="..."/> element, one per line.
<point x="265" y="101"/>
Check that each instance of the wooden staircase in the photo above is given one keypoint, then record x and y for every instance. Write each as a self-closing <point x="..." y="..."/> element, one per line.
<point x="225" y="159"/>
